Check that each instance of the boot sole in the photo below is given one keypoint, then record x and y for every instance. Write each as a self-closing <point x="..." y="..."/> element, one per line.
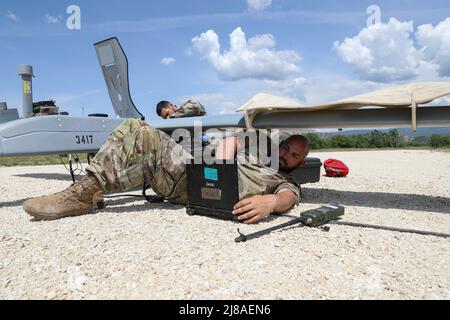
<point x="46" y="217"/>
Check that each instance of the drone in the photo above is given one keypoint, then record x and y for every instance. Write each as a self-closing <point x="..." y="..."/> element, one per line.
<point x="52" y="132"/>
<point x="45" y="130"/>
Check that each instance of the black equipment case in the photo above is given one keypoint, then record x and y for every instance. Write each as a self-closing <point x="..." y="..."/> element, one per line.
<point x="213" y="190"/>
<point x="309" y="172"/>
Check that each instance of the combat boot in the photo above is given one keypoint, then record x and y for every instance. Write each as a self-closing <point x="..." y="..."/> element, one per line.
<point x="80" y="198"/>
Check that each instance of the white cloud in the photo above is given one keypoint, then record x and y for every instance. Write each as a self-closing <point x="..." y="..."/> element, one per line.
<point x="51" y="19"/>
<point x="330" y="87"/>
<point x="294" y="88"/>
<point x="168" y="61"/>
<point x="320" y="88"/>
<point x="258" y="5"/>
<point x="435" y="44"/>
<point x="11" y="16"/>
<point x="384" y="52"/>
<point x="252" y="59"/>
<point x="261" y="42"/>
<point x="444" y="101"/>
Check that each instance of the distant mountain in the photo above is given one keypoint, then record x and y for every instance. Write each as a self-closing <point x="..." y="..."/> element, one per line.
<point x="421" y="132"/>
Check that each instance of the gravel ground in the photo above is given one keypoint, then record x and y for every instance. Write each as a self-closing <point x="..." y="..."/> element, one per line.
<point x="136" y="250"/>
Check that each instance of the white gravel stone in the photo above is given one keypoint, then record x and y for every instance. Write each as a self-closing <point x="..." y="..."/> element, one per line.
<point x="79" y="281"/>
<point x="135" y="250"/>
<point x="51" y="295"/>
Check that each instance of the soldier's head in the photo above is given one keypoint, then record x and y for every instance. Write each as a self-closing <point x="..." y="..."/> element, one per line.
<point x="293" y="152"/>
<point x="165" y="109"/>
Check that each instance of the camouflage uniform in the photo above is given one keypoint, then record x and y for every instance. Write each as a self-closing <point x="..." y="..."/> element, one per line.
<point x="136" y="152"/>
<point x="256" y="179"/>
<point x="190" y="108"/>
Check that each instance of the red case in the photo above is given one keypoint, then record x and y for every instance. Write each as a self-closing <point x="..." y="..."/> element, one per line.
<point x="335" y="168"/>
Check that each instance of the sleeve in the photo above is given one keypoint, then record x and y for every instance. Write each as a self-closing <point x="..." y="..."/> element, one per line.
<point x="292" y="186"/>
<point x="191" y="108"/>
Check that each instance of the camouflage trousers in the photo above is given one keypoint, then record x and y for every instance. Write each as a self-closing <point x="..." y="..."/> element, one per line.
<point x="136" y="153"/>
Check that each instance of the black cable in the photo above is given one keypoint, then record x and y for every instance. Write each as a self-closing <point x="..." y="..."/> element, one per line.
<point x="77" y="160"/>
<point x="403" y="230"/>
<point x="152" y="199"/>
<point x="71" y="171"/>
<point x="123" y="195"/>
<point x="77" y="171"/>
<point x="62" y="162"/>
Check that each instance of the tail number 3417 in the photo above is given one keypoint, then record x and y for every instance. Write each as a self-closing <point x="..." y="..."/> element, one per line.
<point x="84" y="139"/>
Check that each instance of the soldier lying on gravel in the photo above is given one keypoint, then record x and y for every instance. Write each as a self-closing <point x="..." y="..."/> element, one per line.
<point x="190" y="108"/>
<point x="136" y="152"/>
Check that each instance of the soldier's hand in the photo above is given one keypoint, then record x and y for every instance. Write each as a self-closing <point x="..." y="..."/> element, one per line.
<point x="254" y="209"/>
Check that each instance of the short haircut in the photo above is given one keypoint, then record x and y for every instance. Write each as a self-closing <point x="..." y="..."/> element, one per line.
<point x="160" y="106"/>
<point x="302" y="140"/>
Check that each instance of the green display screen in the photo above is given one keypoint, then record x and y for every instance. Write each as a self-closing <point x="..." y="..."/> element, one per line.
<point x="211" y="174"/>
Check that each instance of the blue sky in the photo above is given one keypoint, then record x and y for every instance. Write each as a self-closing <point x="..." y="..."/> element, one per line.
<point x="291" y="48"/>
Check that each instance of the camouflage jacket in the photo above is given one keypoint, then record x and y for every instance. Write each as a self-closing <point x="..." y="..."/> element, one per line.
<point x="256" y="178"/>
<point x="190" y="108"/>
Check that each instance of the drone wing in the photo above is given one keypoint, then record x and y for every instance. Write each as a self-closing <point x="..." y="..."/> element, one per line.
<point x="407" y="96"/>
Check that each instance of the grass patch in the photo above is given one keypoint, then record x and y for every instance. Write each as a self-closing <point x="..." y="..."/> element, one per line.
<point x="36" y="160"/>
<point x="54" y="159"/>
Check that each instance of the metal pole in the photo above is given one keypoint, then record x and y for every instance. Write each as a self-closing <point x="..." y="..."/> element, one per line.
<point x="244" y="238"/>
<point x="403" y="230"/>
<point x="26" y="73"/>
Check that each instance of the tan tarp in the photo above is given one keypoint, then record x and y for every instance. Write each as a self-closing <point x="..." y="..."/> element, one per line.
<point x="267" y="101"/>
<point x="408" y="95"/>
<point x="402" y="95"/>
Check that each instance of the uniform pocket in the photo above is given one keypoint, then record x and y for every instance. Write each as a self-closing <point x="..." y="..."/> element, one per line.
<point x="162" y="182"/>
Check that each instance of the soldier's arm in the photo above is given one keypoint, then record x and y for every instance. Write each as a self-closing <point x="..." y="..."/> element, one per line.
<point x="179" y="113"/>
<point x="191" y="108"/>
<point x="227" y="148"/>
<point x="195" y="108"/>
<point x="256" y="208"/>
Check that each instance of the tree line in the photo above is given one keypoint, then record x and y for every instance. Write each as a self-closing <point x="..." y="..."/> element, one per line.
<point x="375" y="139"/>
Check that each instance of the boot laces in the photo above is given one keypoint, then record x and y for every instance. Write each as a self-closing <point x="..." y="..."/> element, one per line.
<point x="78" y="188"/>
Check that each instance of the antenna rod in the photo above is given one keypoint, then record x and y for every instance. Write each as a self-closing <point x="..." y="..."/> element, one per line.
<point x="26" y="73"/>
